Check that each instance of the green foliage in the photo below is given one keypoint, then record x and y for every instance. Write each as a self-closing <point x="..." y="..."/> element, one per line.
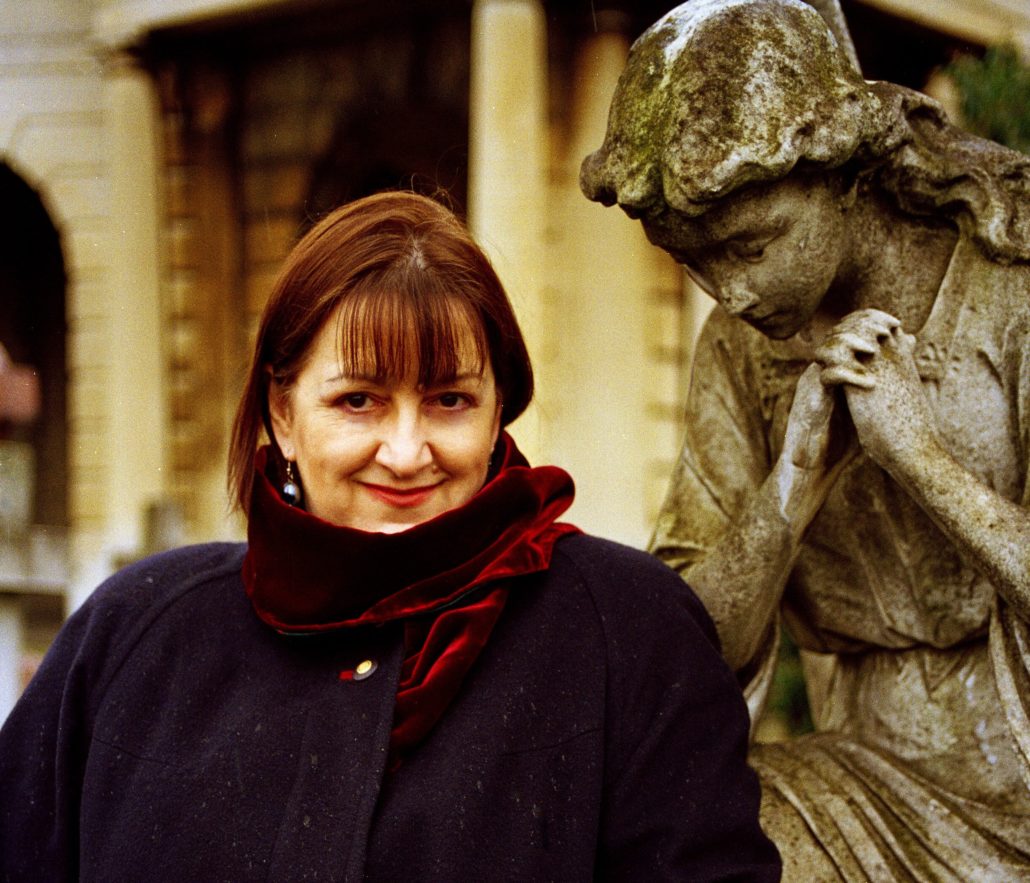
<point x="995" y="96"/>
<point x="787" y="698"/>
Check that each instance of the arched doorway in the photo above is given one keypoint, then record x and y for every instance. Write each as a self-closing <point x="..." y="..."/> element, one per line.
<point x="33" y="434"/>
<point x="32" y="330"/>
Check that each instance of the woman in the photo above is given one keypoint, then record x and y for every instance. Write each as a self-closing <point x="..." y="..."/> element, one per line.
<point x="412" y="671"/>
<point x="857" y="454"/>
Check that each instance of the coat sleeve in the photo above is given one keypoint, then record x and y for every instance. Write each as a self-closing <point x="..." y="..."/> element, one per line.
<point x="45" y="741"/>
<point x="680" y="802"/>
<point x="43" y="748"/>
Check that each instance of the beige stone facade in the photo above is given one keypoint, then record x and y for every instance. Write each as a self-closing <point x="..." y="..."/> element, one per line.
<point x="180" y="146"/>
<point x="52" y="135"/>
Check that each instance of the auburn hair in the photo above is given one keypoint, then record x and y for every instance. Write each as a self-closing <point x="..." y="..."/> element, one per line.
<point x="407" y="284"/>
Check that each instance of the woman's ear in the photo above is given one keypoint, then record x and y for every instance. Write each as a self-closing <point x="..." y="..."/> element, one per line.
<point x="282" y="416"/>
<point x="497" y="419"/>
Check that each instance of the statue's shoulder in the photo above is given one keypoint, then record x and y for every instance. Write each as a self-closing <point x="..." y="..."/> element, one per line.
<point x="994" y="287"/>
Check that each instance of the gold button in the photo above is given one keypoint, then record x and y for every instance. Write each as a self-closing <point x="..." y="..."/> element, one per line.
<point x="364" y="669"/>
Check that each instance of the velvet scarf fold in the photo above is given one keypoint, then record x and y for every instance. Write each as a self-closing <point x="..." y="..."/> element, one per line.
<point x="446" y="580"/>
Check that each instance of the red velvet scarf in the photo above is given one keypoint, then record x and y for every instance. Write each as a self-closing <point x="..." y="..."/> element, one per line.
<point x="446" y="579"/>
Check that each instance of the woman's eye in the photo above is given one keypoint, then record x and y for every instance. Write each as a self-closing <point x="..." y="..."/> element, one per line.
<point x="357" y="401"/>
<point x="452" y="400"/>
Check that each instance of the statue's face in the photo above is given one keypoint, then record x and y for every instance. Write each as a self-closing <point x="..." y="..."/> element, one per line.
<point x="768" y="254"/>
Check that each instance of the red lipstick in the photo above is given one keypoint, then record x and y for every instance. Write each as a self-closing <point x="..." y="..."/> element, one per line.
<point x="402" y="498"/>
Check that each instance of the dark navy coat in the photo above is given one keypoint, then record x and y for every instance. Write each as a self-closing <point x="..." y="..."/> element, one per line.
<point x="171" y="735"/>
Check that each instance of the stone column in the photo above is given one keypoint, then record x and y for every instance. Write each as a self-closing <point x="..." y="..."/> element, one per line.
<point x="137" y="427"/>
<point x="133" y="435"/>
<point x="619" y="310"/>
<point x="507" y="171"/>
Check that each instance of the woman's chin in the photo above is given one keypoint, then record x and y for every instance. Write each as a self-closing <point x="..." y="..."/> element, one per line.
<point x="395" y="527"/>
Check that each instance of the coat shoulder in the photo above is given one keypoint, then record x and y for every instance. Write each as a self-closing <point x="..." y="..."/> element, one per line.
<point x="168" y="574"/>
<point x="126" y="606"/>
<point x="633" y="588"/>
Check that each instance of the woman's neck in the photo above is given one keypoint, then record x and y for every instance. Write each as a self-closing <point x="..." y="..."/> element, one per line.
<point x="896" y="262"/>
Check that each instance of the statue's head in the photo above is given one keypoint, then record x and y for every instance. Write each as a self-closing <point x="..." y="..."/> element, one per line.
<point x="720" y="94"/>
<point x="741" y="133"/>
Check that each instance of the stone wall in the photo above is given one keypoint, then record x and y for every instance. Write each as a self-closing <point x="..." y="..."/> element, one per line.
<point x="52" y="135"/>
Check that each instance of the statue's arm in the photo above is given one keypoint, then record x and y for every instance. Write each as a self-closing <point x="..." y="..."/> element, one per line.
<point x="742" y="576"/>
<point x="731" y="525"/>
<point x="870" y="356"/>
<point x="992" y="532"/>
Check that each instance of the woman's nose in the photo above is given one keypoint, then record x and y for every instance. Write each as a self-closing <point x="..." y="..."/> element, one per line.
<point x="404" y="447"/>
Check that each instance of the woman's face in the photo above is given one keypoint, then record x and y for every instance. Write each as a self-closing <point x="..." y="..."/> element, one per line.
<point x="768" y="254"/>
<point x="381" y="454"/>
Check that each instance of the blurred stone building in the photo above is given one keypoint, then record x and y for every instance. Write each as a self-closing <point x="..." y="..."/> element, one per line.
<point x="159" y="157"/>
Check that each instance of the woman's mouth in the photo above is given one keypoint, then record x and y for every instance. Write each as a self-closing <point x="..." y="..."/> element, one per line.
<point x="402" y="498"/>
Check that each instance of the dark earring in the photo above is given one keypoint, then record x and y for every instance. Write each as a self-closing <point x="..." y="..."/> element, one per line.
<point x="291" y="490"/>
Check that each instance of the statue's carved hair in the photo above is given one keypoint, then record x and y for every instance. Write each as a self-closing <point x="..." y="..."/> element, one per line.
<point x="721" y="94"/>
<point x="943" y="171"/>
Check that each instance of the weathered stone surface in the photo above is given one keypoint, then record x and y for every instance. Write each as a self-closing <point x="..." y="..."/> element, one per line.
<point x="857" y="458"/>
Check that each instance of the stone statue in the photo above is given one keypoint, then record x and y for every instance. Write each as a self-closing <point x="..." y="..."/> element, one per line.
<point x="857" y="453"/>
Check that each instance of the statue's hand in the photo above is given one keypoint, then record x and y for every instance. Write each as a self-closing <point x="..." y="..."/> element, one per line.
<point x="871" y="357"/>
<point x="817" y="444"/>
<point x="816" y="437"/>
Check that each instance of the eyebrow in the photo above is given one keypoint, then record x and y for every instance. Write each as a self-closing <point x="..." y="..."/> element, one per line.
<point x="369" y="378"/>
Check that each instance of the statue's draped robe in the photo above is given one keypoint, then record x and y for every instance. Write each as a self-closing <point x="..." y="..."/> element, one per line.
<point x="919" y="672"/>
